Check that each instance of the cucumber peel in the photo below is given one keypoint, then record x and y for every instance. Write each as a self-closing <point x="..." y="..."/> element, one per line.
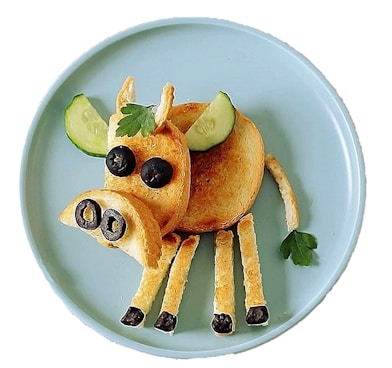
<point x="85" y="127"/>
<point x="213" y="126"/>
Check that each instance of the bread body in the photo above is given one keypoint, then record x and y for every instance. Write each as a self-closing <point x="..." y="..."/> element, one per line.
<point x="226" y="179"/>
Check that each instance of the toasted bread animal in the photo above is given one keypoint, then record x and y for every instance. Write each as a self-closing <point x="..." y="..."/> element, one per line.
<point x="98" y="212"/>
<point x="225" y="180"/>
<point x="169" y="203"/>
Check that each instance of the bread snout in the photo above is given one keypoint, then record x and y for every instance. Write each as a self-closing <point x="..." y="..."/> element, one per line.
<point x="139" y="236"/>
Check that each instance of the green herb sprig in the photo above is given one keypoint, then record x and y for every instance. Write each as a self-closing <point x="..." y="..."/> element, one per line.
<point x="300" y="246"/>
<point x="137" y="118"/>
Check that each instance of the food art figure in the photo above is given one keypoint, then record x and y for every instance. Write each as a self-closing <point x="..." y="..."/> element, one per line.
<point x="169" y="176"/>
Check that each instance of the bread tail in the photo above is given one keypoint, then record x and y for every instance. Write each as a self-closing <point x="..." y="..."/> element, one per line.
<point x="286" y="191"/>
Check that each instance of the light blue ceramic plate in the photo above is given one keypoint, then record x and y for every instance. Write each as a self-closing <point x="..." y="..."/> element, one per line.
<point x="303" y="122"/>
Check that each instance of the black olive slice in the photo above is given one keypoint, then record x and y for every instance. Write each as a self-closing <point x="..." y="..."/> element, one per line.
<point x="257" y="316"/>
<point x="156" y="172"/>
<point x="112" y="225"/>
<point x="132" y="317"/>
<point x="88" y="214"/>
<point x="222" y="323"/>
<point x="166" y="322"/>
<point x="120" y="161"/>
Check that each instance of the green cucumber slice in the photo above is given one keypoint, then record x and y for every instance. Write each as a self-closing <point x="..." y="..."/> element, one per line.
<point x="85" y="127"/>
<point x="213" y="126"/>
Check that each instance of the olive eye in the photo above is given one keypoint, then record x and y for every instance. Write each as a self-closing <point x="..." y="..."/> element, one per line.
<point x="156" y="172"/>
<point x="88" y="214"/>
<point x="120" y="161"/>
<point x="112" y="225"/>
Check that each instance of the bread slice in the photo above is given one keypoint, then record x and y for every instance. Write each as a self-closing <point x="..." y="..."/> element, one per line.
<point x="141" y="238"/>
<point x="150" y="283"/>
<point x="223" y="322"/>
<point x="255" y="303"/>
<point x="226" y="179"/>
<point x="169" y="203"/>
<point x="286" y="191"/>
<point x="178" y="276"/>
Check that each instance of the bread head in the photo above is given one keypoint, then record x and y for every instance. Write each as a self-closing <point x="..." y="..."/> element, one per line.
<point x="141" y="238"/>
<point x="226" y="179"/>
<point x="169" y="203"/>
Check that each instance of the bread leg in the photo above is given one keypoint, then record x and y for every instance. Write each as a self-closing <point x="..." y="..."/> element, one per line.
<point x="255" y="304"/>
<point x="223" y="322"/>
<point x="178" y="275"/>
<point x="150" y="283"/>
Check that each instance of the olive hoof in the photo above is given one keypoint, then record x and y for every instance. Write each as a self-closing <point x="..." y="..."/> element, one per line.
<point x="133" y="317"/>
<point x="166" y="322"/>
<point x="257" y="316"/>
<point x="222" y="324"/>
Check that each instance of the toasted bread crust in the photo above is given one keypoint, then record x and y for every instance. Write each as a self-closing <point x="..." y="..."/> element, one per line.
<point x="178" y="275"/>
<point x="224" y="295"/>
<point x="250" y="262"/>
<point x="286" y="191"/>
<point x="225" y="180"/>
<point x="141" y="238"/>
<point x="152" y="278"/>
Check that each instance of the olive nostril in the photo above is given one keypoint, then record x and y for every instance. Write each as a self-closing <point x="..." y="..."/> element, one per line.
<point x="113" y="225"/>
<point x="88" y="214"/>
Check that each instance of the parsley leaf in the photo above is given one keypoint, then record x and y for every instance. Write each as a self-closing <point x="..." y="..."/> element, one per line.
<point x="137" y="117"/>
<point x="299" y="245"/>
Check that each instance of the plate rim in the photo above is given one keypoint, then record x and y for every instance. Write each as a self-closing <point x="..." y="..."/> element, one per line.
<point x="355" y="143"/>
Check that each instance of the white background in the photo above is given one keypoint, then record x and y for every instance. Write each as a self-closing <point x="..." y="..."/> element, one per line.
<point x="349" y="41"/>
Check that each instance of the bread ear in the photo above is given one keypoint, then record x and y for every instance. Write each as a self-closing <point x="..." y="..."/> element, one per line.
<point x="167" y="98"/>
